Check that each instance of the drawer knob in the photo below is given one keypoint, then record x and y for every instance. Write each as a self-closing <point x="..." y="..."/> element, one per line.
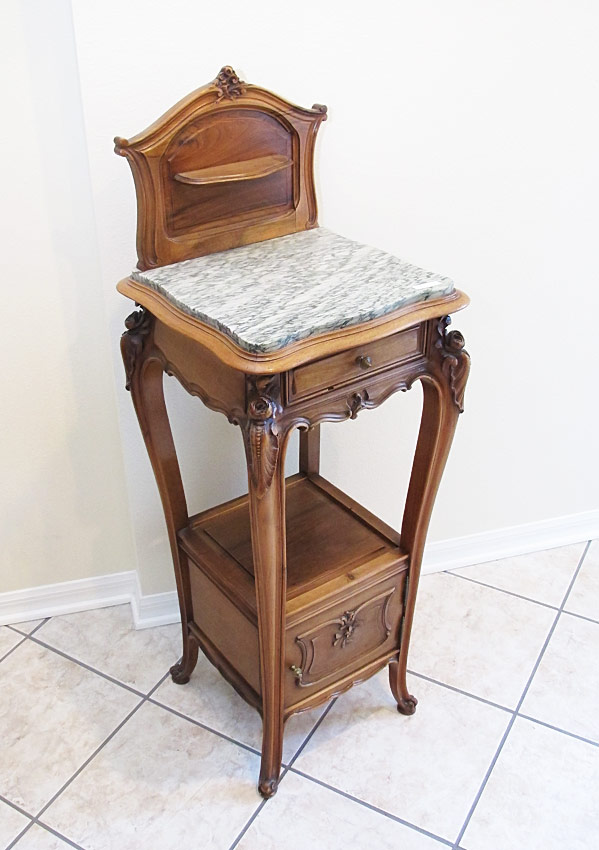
<point x="364" y="361"/>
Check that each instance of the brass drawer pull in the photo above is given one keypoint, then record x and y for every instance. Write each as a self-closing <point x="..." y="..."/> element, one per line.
<point x="363" y="361"/>
<point x="298" y="673"/>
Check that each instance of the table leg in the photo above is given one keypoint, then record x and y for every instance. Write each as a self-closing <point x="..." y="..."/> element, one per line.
<point x="443" y="392"/>
<point x="265" y="452"/>
<point x="145" y="374"/>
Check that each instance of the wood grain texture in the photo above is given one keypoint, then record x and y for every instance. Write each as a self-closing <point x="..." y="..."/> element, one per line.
<point x="235" y="172"/>
<point x="192" y="197"/>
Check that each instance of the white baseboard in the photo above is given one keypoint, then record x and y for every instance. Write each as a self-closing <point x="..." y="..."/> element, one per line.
<point x="156" y="609"/>
<point x="69" y="597"/>
<point x="159" y="609"/>
<point x="66" y="597"/>
<point x="508" y="542"/>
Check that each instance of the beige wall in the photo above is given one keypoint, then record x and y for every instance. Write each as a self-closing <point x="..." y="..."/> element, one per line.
<point x="462" y="136"/>
<point x="63" y="507"/>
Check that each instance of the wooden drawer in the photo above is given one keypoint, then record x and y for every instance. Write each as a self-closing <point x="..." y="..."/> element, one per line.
<point x="343" y="637"/>
<point x="325" y="374"/>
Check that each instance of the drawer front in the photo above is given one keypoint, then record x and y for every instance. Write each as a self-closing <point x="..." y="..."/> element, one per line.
<point x="343" y="637"/>
<point x="341" y="368"/>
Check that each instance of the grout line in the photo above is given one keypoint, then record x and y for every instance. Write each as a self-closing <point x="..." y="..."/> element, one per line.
<point x="558" y="729"/>
<point x="520" y="701"/>
<point x="89" y="759"/>
<point x="19" y="809"/>
<point x="12" y="649"/>
<point x="20" y="835"/>
<point x="39" y="626"/>
<point x="502" y="590"/>
<point x="460" y="691"/>
<point x="157" y="685"/>
<point x="372" y="808"/>
<point x="504" y="708"/>
<point x="23" y="632"/>
<point x="204" y="726"/>
<point x="248" y="824"/>
<point x="86" y="666"/>
<point x="309" y="735"/>
<point x="64" y="838"/>
<point x="581" y="617"/>
<point x="14" y="629"/>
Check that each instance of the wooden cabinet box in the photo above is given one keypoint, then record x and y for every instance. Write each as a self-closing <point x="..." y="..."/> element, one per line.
<point x="345" y="591"/>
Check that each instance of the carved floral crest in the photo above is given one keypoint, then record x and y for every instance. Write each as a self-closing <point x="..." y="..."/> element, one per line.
<point x="228" y="84"/>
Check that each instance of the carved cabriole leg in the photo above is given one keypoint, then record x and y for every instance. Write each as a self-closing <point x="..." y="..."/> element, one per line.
<point x="265" y="444"/>
<point x="144" y="371"/>
<point x="309" y="460"/>
<point x="443" y="390"/>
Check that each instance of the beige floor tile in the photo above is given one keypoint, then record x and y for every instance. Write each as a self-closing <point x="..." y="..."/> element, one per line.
<point x="208" y="698"/>
<point x="11" y="824"/>
<point x="8" y="639"/>
<point x="542" y="794"/>
<point x="53" y="715"/>
<point x="475" y="638"/>
<point x="565" y="688"/>
<point x="543" y="576"/>
<point x="38" y="838"/>
<point x="160" y="783"/>
<point x="105" y="639"/>
<point x="27" y="626"/>
<point x="425" y="768"/>
<point x="327" y="820"/>
<point x="584" y="597"/>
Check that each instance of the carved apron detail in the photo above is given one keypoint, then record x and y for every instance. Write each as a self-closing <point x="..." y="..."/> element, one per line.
<point x="139" y="325"/>
<point x="454" y="360"/>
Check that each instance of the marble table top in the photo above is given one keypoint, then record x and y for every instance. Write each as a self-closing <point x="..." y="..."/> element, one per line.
<point x="270" y="294"/>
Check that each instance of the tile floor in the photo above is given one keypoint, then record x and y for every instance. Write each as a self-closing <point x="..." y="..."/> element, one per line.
<point x="100" y="751"/>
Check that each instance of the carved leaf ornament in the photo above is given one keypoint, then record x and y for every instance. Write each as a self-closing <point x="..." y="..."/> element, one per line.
<point x="261" y="432"/>
<point x="139" y="325"/>
<point x="454" y="360"/>
<point x="347" y="626"/>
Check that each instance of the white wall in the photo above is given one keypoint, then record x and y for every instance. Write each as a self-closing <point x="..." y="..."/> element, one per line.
<point x="463" y="137"/>
<point x="63" y="505"/>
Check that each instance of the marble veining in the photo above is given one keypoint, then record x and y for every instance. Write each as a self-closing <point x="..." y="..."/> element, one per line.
<point x="270" y="294"/>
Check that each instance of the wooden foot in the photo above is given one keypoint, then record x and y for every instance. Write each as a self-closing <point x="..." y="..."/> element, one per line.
<point x="268" y="787"/>
<point x="406" y="703"/>
<point x="182" y="670"/>
<point x="407" y="706"/>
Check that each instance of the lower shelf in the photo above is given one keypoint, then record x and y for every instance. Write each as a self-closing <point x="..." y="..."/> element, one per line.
<point x="346" y="579"/>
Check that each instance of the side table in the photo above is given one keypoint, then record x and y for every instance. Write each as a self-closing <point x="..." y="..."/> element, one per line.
<point x="294" y="591"/>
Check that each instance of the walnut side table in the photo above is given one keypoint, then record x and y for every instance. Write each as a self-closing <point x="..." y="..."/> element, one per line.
<point x="293" y="591"/>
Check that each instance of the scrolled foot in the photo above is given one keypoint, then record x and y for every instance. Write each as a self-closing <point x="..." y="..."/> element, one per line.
<point x="268" y="787"/>
<point x="407" y="705"/>
<point x="179" y="674"/>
